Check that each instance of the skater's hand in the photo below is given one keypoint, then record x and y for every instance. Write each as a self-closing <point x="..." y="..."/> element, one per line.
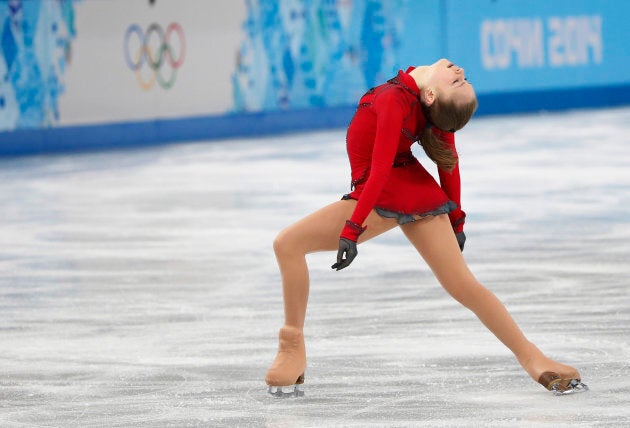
<point x="347" y="247"/>
<point x="461" y="239"/>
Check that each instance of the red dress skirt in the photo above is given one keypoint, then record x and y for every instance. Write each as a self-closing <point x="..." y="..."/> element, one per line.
<point x="409" y="193"/>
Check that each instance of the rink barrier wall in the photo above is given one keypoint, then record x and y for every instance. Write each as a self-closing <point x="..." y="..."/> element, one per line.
<point x="251" y="125"/>
<point x="164" y="131"/>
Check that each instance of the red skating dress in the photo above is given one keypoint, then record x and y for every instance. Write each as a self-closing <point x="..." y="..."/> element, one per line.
<point x="385" y="174"/>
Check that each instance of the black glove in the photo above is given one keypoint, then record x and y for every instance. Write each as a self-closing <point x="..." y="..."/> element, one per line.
<point x="347" y="247"/>
<point x="461" y="239"/>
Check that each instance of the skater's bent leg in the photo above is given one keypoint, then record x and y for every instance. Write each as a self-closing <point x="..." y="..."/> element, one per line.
<point x="318" y="231"/>
<point x="435" y="241"/>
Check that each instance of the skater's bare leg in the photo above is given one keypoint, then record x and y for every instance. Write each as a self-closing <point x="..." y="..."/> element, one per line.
<point x="435" y="241"/>
<point x="317" y="232"/>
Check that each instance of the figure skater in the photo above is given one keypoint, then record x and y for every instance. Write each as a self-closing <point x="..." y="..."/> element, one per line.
<point x="391" y="188"/>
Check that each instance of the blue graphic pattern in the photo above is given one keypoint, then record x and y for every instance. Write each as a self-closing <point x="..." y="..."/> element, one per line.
<point x="36" y="37"/>
<point x="314" y="53"/>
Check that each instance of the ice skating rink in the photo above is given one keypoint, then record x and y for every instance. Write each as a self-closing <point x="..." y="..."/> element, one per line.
<point x="138" y="288"/>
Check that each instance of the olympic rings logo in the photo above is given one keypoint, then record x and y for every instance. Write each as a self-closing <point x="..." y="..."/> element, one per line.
<point x="155" y="48"/>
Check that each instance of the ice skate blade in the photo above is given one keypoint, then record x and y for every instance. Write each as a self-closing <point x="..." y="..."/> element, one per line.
<point x="285" y="391"/>
<point x="574" y="387"/>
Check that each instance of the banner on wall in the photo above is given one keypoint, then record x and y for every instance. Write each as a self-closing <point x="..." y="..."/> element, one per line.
<point x="298" y="54"/>
<point x="318" y="53"/>
<point x="547" y="45"/>
<point x="78" y="63"/>
<point x="37" y="39"/>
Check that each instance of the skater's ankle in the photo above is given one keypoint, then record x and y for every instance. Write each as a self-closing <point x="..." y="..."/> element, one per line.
<point x="535" y="363"/>
<point x="294" y="328"/>
<point x="530" y="359"/>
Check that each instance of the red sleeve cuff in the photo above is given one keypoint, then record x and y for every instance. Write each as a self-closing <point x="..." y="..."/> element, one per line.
<point x="458" y="218"/>
<point x="351" y="231"/>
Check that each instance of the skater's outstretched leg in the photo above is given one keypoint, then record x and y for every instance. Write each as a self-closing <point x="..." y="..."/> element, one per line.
<point x="317" y="232"/>
<point x="434" y="240"/>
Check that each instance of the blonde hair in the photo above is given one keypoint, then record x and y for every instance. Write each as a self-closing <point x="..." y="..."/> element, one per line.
<point x="448" y="115"/>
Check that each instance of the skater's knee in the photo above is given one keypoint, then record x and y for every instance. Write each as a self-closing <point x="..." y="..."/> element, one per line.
<point x="279" y="243"/>
<point x="284" y="243"/>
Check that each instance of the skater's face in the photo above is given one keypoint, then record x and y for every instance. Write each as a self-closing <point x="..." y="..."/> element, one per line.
<point x="449" y="81"/>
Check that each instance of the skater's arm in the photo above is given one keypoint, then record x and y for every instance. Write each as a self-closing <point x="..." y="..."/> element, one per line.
<point x="451" y="183"/>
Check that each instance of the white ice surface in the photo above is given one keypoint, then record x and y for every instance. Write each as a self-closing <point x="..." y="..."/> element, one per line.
<point x="139" y="288"/>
